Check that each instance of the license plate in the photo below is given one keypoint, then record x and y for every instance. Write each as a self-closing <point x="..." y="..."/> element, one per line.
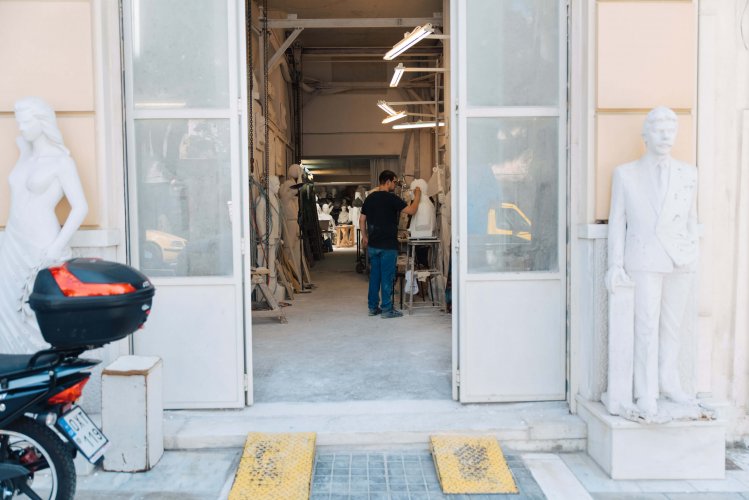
<point x="79" y="428"/>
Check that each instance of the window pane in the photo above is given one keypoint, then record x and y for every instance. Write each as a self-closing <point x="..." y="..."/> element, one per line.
<point x="184" y="195"/>
<point x="513" y="193"/>
<point x="180" y="54"/>
<point x="513" y="52"/>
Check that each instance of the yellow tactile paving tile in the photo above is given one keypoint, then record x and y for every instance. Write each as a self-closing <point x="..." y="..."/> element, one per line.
<point x="471" y="464"/>
<point x="275" y="467"/>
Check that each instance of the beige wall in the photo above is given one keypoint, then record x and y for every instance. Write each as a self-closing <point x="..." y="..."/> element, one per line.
<point x="646" y="56"/>
<point x="47" y="51"/>
<point x="350" y="124"/>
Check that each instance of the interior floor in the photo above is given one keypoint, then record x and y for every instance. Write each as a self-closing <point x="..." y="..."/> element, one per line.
<point x="331" y="350"/>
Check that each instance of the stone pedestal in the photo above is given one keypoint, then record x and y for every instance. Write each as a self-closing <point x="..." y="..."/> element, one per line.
<point x="132" y="413"/>
<point x="680" y="449"/>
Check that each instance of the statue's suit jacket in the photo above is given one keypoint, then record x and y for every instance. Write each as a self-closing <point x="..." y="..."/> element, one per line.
<point x="647" y="232"/>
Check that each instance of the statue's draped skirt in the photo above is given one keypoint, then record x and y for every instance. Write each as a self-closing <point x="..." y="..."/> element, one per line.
<point x="19" y="263"/>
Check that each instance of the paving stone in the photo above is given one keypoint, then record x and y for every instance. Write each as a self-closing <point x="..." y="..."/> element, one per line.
<point x="394" y="476"/>
<point x="707" y="495"/>
<point x="629" y="496"/>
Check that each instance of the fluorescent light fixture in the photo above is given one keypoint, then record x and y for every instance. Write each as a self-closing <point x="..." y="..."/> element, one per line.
<point x="399" y="70"/>
<point x="409" y="41"/>
<point x="386" y="108"/>
<point x="418" y="124"/>
<point x="394" y="117"/>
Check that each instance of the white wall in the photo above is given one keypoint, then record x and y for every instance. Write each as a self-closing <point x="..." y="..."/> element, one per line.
<point x="723" y="160"/>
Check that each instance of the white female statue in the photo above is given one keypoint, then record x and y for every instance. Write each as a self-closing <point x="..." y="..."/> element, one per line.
<point x="33" y="238"/>
<point x="423" y="222"/>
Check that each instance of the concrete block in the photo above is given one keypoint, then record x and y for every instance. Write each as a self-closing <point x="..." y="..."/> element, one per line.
<point x="132" y="413"/>
<point x="680" y="449"/>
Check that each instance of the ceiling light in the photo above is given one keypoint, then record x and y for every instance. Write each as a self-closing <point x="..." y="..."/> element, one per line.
<point x="399" y="70"/>
<point x="409" y="41"/>
<point x="386" y="108"/>
<point x="418" y="124"/>
<point x="394" y="117"/>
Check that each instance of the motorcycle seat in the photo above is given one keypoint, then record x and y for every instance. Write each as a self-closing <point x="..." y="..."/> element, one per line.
<point x="12" y="363"/>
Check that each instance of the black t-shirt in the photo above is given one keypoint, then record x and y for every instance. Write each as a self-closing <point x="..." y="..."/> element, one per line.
<point x="383" y="211"/>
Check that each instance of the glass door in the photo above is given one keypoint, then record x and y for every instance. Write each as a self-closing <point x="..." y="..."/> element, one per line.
<point x="510" y="77"/>
<point x="184" y="193"/>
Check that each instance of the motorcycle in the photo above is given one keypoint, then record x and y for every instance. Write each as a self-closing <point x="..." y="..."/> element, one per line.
<point x="81" y="305"/>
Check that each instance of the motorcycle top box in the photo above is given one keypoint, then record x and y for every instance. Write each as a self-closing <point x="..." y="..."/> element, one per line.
<point x="90" y="302"/>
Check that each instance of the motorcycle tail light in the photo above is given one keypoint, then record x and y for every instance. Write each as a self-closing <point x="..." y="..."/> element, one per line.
<point x="69" y="395"/>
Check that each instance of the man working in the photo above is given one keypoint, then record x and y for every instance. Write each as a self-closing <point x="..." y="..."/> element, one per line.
<point x="379" y="228"/>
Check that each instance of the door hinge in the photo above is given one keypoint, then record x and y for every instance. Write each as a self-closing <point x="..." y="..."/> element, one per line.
<point x="457" y="378"/>
<point x="246" y="381"/>
<point x="457" y="245"/>
<point x="240" y="107"/>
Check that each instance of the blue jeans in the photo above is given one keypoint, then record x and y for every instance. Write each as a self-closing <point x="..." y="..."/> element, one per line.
<point x="381" y="276"/>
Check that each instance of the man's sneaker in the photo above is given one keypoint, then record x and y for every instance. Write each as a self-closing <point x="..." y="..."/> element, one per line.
<point x="375" y="312"/>
<point x="392" y="313"/>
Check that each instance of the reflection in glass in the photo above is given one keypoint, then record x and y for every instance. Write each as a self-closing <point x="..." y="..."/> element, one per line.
<point x="513" y="186"/>
<point x="184" y="195"/>
<point x="180" y="51"/>
<point x="513" y="52"/>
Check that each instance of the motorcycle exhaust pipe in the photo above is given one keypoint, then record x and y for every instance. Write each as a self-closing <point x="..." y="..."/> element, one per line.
<point x="49" y="419"/>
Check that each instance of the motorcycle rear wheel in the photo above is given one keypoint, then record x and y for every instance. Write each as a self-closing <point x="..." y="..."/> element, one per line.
<point x="55" y="478"/>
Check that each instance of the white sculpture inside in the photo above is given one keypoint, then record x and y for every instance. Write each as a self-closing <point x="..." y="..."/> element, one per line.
<point x="33" y="239"/>
<point x="356" y="208"/>
<point x="325" y="212"/>
<point x="653" y="248"/>
<point x="424" y="221"/>
<point x="344" y="216"/>
<point x="290" y="210"/>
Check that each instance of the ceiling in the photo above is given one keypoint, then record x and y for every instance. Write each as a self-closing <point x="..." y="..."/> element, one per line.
<point x="356" y="55"/>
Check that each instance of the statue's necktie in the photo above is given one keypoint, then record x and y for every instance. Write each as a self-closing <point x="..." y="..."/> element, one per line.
<point x="661" y="171"/>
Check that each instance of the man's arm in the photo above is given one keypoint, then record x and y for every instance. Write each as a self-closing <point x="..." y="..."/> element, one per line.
<point x="615" y="275"/>
<point x="414" y="206"/>
<point x="363" y="229"/>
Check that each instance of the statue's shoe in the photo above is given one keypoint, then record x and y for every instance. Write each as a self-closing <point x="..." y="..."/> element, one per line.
<point x="677" y="396"/>
<point x="647" y="406"/>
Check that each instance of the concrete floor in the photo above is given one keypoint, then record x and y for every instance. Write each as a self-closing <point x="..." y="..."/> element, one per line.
<point x="330" y="350"/>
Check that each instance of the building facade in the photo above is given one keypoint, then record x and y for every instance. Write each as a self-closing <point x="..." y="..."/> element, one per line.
<point x="606" y="63"/>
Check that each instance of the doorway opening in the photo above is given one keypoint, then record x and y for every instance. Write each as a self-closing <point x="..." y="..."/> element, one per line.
<point x="331" y="350"/>
<point x="332" y="87"/>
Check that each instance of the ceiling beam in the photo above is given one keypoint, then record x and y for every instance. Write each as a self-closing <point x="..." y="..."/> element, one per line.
<point x="276" y="59"/>
<point x="363" y="85"/>
<point x="378" y="22"/>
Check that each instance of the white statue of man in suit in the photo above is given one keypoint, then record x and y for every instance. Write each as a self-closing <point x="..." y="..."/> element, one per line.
<point x="653" y="244"/>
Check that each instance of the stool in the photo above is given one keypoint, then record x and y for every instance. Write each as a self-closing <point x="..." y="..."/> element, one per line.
<point x="132" y="413"/>
<point x="433" y="245"/>
<point x="258" y="282"/>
